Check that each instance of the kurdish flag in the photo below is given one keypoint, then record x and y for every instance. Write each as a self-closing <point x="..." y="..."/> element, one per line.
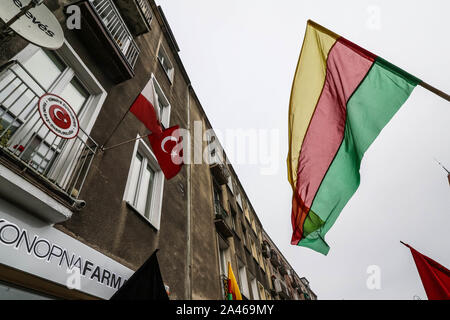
<point x="342" y="97"/>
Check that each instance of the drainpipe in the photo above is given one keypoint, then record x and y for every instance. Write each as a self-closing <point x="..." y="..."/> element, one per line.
<point x="188" y="286"/>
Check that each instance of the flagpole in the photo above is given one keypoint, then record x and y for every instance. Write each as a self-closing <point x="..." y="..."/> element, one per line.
<point x="102" y="148"/>
<point x="442" y="166"/>
<point x="434" y="90"/>
<point x="115" y="128"/>
<point x="117" y="125"/>
<point x="423" y="84"/>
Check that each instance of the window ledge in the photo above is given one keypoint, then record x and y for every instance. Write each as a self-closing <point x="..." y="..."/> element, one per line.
<point x="16" y="189"/>
<point x="135" y="210"/>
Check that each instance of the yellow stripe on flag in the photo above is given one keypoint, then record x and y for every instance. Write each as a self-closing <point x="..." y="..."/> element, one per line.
<point x="233" y="286"/>
<point x="308" y="82"/>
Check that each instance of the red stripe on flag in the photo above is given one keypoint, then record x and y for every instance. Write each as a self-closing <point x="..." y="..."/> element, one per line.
<point x="346" y="68"/>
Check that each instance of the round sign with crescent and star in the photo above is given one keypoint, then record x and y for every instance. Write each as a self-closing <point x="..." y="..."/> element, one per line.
<point x="58" y="116"/>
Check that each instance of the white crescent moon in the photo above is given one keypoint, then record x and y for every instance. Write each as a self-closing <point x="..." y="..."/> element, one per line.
<point x="169" y="138"/>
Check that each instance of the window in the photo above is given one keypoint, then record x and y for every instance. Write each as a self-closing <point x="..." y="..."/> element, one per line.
<point x="261" y="261"/>
<point x="233" y="219"/>
<point x="252" y="244"/>
<point x="246" y="212"/>
<point x="162" y="105"/>
<point x="230" y="185"/>
<point x="244" y="235"/>
<point x="261" y="291"/>
<point x="243" y="280"/>
<point x="254" y="288"/>
<point x="62" y="73"/>
<point x="224" y="258"/>
<point x="145" y="184"/>
<point x="239" y="201"/>
<point x="165" y="63"/>
<point x="254" y="225"/>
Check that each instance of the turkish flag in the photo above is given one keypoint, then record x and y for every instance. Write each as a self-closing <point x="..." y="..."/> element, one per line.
<point x="168" y="149"/>
<point x="435" y="277"/>
<point x="143" y="108"/>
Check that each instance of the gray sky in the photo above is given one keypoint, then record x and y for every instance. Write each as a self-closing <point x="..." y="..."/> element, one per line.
<point x="241" y="57"/>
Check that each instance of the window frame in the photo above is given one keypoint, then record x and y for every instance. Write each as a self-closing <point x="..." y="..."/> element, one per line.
<point x="75" y="68"/>
<point x="243" y="283"/>
<point x="166" y="110"/>
<point x="156" y="196"/>
<point x="165" y="58"/>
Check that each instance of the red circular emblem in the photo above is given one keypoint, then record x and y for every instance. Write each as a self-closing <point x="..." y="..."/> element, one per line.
<point x="58" y="116"/>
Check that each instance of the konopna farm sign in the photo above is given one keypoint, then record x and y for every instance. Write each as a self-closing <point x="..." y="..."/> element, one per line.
<point x="32" y="246"/>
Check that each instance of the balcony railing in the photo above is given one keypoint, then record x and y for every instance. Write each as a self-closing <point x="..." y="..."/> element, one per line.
<point x="25" y="140"/>
<point x="219" y="210"/>
<point x="222" y="220"/>
<point x="117" y="29"/>
<point x="146" y="10"/>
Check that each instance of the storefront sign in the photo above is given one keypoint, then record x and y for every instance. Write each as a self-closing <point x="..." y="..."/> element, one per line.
<point x="58" y="116"/>
<point x="31" y="245"/>
<point x="39" y="25"/>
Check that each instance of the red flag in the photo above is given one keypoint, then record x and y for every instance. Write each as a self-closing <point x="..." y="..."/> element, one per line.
<point x="168" y="149"/>
<point x="143" y="108"/>
<point x="435" y="277"/>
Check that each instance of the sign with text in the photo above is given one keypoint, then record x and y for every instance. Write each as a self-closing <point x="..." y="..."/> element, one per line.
<point x="58" y="116"/>
<point x="38" y="25"/>
<point x="35" y="247"/>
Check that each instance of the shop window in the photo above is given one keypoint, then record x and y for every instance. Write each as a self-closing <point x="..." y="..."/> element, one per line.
<point x="13" y="292"/>
<point x="145" y="184"/>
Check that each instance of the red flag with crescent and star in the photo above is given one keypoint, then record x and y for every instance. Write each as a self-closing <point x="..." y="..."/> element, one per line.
<point x="168" y="149"/>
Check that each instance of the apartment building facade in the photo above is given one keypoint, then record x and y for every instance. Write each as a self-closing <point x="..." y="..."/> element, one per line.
<point x="101" y="205"/>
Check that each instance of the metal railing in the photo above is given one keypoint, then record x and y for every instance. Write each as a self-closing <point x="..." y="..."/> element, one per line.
<point x="24" y="138"/>
<point x="117" y="29"/>
<point x="146" y="10"/>
<point x="220" y="211"/>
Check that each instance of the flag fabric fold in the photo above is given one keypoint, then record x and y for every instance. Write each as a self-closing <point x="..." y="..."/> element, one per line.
<point x="168" y="149"/>
<point x="233" y="292"/>
<point x="143" y="108"/>
<point x="435" y="277"/>
<point x="342" y="96"/>
<point x="145" y="284"/>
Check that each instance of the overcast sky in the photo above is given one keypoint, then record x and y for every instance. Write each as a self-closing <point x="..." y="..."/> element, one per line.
<point x="241" y="57"/>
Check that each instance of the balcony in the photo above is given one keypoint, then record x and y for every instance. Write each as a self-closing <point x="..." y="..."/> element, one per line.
<point x="38" y="170"/>
<point x="222" y="220"/>
<point x="220" y="173"/>
<point x="274" y="258"/>
<point x="107" y="36"/>
<point x="280" y="288"/>
<point x="265" y="250"/>
<point x="283" y="270"/>
<point x="137" y="14"/>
